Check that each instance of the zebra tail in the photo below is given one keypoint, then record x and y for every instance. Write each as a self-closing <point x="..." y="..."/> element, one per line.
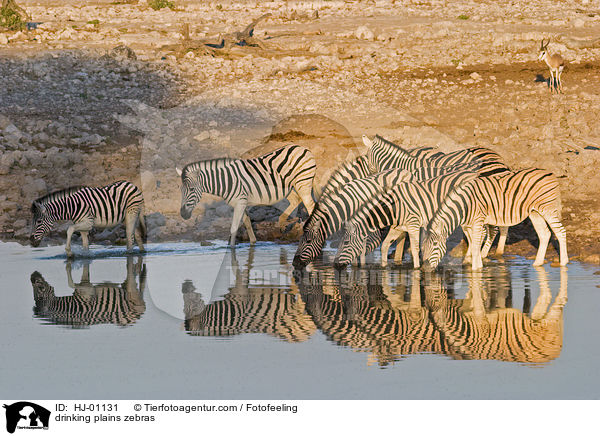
<point x="142" y="224"/>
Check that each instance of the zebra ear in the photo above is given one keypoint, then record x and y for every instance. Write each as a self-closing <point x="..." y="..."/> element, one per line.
<point x="179" y="172"/>
<point x="368" y="143"/>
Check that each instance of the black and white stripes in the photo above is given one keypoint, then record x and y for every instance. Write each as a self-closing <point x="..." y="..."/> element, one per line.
<point x="504" y="201"/>
<point x="89" y="207"/>
<point x="286" y="172"/>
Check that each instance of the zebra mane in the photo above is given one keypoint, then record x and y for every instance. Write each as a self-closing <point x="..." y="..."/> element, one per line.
<point x="391" y="144"/>
<point x="56" y="195"/>
<point x="201" y="164"/>
<point x="347" y="171"/>
<point x="448" y="217"/>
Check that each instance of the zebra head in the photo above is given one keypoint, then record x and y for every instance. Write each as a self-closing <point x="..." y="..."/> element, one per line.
<point x="371" y="153"/>
<point x="43" y="293"/>
<point x="192" y="188"/>
<point x="42" y="223"/>
<point x="310" y="245"/>
<point x="434" y="249"/>
<point x="352" y="245"/>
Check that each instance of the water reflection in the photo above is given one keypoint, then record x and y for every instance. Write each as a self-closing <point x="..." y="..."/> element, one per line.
<point x="392" y="314"/>
<point x="121" y="304"/>
<point x="250" y="305"/>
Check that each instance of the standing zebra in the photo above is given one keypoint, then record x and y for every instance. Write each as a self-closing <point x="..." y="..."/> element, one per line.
<point x="384" y="155"/>
<point x="89" y="207"/>
<point x="503" y="201"/>
<point x="334" y="209"/>
<point x="405" y="207"/>
<point x="287" y="172"/>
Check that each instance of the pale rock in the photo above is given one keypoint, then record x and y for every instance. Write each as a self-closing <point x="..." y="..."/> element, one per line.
<point x="363" y="32"/>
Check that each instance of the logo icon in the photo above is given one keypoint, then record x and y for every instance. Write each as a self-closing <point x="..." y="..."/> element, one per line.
<point x="26" y="415"/>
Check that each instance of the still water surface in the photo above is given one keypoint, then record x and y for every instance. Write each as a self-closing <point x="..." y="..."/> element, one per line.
<point x="191" y="322"/>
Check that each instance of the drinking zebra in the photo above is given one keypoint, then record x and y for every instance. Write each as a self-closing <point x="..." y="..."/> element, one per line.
<point x="287" y="172"/>
<point x="405" y="207"/>
<point x="383" y="155"/>
<point x="92" y="304"/>
<point x="334" y="209"/>
<point x="503" y="201"/>
<point x="89" y="207"/>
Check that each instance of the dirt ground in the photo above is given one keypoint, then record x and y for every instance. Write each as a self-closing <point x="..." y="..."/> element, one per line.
<point x="76" y="107"/>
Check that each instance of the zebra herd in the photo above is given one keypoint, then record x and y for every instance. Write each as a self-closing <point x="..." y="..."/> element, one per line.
<point x="388" y="188"/>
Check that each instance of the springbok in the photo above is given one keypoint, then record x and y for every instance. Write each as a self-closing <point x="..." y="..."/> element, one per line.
<point x="556" y="63"/>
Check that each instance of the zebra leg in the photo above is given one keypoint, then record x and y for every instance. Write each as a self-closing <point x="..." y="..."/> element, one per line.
<point x="491" y="232"/>
<point x="543" y="235"/>
<point x="545" y="297"/>
<point x="248" y="225"/>
<point x="139" y="230"/>
<point x="294" y="200"/>
<point x="305" y="193"/>
<point x="476" y="236"/>
<point x="468" y="234"/>
<point x="238" y="212"/>
<point x="502" y="240"/>
<point x="385" y="245"/>
<point x="131" y="219"/>
<point x="561" y="235"/>
<point x="85" y="242"/>
<point x="414" y="246"/>
<point x="84" y="226"/>
<point x="399" y="253"/>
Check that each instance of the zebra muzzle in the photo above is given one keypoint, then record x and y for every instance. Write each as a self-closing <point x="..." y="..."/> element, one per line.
<point x="185" y="214"/>
<point x="34" y="242"/>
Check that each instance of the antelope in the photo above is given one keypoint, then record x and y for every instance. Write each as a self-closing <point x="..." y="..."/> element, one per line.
<point x="556" y="63"/>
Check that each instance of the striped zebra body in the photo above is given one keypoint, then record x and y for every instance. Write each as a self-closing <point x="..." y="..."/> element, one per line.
<point x="272" y="311"/>
<point x="90" y="304"/>
<point x="405" y="207"/>
<point x="502" y="201"/>
<point x="287" y="172"/>
<point x="361" y="317"/>
<point x="383" y="155"/>
<point x="89" y="207"/>
<point x="333" y="210"/>
<point x="472" y="332"/>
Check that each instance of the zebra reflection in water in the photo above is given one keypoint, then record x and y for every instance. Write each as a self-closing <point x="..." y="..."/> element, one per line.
<point x="121" y="304"/>
<point x="276" y="310"/>
<point x="369" y="313"/>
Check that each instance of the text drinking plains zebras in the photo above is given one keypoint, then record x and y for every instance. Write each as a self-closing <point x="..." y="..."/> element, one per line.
<point x="503" y="201"/>
<point x="287" y="172"/>
<point x="89" y="207"/>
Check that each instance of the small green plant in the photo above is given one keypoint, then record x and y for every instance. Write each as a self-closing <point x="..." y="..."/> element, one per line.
<point x="11" y="20"/>
<point x="219" y="7"/>
<point x="463" y="17"/>
<point x="94" y="22"/>
<point x="456" y="62"/>
<point x="160" y="4"/>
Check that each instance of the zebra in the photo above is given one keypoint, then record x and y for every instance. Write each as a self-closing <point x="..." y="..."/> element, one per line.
<point x="360" y="314"/>
<point x="256" y="308"/>
<point x="89" y="207"/>
<point x="383" y="155"/>
<point x="471" y="331"/>
<point x="405" y="207"/>
<point x="333" y="210"/>
<point x="505" y="201"/>
<point x="287" y="172"/>
<point x="92" y="304"/>
<point x="360" y="168"/>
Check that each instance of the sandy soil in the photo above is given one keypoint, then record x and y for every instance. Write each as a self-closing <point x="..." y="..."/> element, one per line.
<point x="76" y="110"/>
